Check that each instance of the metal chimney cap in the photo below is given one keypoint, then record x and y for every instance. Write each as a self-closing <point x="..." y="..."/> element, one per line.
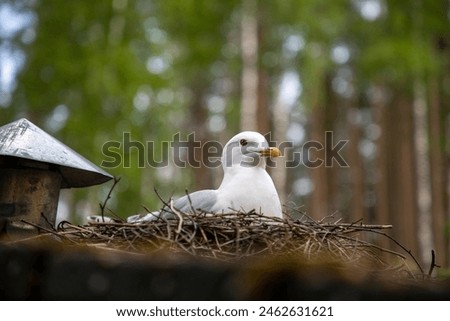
<point x="24" y="140"/>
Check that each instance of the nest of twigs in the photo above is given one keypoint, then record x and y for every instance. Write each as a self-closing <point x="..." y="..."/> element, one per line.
<point x="235" y="236"/>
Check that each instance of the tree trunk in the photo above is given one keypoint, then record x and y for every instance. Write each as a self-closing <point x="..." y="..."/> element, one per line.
<point x="197" y="124"/>
<point x="402" y="176"/>
<point x="356" y="169"/>
<point x="423" y="173"/>
<point x="438" y="174"/>
<point x="280" y="123"/>
<point x="322" y="195"/>
<point x="379" y="106"/>
<point x="250" y="77"/>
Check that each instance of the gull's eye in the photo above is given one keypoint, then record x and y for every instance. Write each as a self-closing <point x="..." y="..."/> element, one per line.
<point x="243" y="142"/>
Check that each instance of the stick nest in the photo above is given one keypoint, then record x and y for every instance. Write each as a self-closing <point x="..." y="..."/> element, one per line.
<point x="234" y="236"/>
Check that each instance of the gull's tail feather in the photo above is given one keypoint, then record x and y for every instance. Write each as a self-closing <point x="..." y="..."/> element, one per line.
<point x="101" y="219"/>
<point x="138" y="218"/>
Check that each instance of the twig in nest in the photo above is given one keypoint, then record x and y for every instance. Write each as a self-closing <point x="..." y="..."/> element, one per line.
<point x="157" y="194"/>
<point x="433" y="263"/>
<point x="103" y="205"/>
<point x="403" y="248"/>
<point x="178" y="214"/>
<point x="190" y="201"/>
<point x="48" y="222"/>
<point x="46" y="230"/>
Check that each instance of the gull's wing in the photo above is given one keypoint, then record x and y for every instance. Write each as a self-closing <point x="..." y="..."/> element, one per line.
<point x="204" y="200"/>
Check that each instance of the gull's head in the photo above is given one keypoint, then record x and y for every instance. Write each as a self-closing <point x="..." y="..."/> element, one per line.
<point x="248" y="149"/>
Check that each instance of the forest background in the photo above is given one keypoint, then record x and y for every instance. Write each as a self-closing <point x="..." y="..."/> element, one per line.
<point x="374" y="73"/>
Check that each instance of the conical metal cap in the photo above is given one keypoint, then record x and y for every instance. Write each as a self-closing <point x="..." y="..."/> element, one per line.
<point x="22" y="139"/>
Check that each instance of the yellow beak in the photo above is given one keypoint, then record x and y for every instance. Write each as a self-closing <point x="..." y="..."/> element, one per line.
<point x="271" y="152"/>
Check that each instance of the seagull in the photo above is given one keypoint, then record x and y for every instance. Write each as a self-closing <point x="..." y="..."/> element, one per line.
<point x="246" y="186"/>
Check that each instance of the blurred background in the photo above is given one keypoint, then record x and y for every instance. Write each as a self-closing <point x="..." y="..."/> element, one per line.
<point x="373" y="72"/>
